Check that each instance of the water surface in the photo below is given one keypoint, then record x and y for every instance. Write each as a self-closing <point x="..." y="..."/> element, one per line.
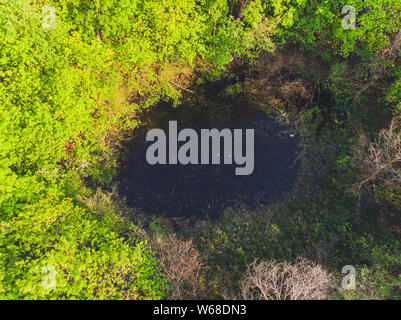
<point x="206" y="190"/>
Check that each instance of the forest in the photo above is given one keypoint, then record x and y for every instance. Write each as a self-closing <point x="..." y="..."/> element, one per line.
<point x="84" y="216"/>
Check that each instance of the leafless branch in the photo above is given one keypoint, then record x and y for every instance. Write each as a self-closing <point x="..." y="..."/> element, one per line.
<point x="271" y="280"/>
<point x="380" y="158"/>
<point x="181" y="263"/>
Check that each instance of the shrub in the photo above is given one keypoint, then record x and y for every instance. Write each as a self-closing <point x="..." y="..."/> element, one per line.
<point x="181" y="263"/>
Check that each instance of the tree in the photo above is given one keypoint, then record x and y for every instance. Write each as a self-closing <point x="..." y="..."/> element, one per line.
<point x="272" y="280"/>
<point x="181" y="263"/>
<point x="381" y="158"/>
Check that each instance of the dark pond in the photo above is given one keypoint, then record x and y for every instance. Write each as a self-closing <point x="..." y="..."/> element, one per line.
<point x="206" y="190"/>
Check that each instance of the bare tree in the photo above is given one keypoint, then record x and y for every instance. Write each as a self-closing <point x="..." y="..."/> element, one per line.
<point x="381" y="158"/>
<point x="271" y="280"/>
<point x="181" y="263"/>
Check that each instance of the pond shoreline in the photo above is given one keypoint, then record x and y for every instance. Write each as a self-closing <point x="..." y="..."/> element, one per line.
<point x="207" y="190"/>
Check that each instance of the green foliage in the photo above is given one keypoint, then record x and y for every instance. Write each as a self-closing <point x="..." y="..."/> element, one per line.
<point x="375" y="282"/>
<point x="50" y="90"/>
<point x="90" y="260"/>
<point x="56" y="111"/>
<point x="143" y="33"/>
<point x="225" y="35"/>
<point x="239" y="238"/>
<point x="317" y="24"/>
